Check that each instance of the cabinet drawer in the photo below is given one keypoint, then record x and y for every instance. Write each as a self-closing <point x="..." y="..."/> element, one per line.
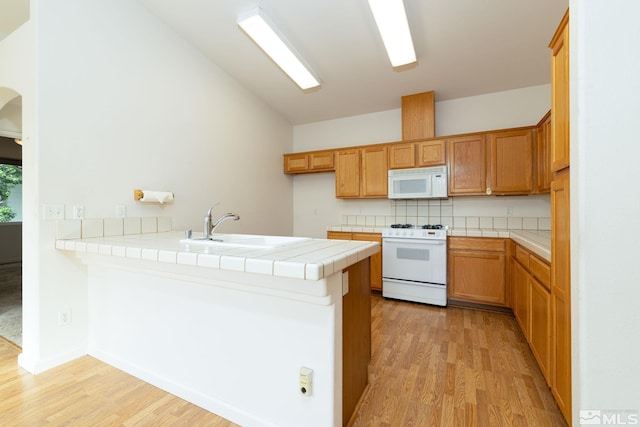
<point x="522" y="256"/>
<point x="540" y="270"/>
<point x="477" y="244"/>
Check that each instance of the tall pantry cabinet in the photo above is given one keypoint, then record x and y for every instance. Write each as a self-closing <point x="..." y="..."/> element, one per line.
<point x="560" y="223"/>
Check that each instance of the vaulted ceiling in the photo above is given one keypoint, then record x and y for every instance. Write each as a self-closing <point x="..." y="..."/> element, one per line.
<point x="464" y="48"/>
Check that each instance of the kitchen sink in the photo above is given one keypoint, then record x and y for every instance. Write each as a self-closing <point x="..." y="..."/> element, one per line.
<point x="245" y="241"/>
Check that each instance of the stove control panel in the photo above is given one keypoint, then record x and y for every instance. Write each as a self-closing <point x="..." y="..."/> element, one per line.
<point x="414" y="233"/>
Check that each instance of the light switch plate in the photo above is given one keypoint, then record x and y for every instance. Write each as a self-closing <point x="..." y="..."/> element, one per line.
<point x="53" y="211"/>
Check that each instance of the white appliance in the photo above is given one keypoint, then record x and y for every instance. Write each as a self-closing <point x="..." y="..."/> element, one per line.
<point x="418" y="183"/>
<point x="414" y="263"/>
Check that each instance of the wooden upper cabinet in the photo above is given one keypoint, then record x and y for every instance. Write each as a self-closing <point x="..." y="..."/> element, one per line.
<point x="296" y="163"/>
<point x="362" y="172"/>
<point x="510" y="162"/>
<point x="542" y="162"/>
<point x="492" y="163"/>
<point x="374" y="172"/>
<point x="431" y="153"/>
<point x="315" y="161"/>
<point x="402" y="156"/>
<point x="418" y="116"/>
<point x="467" y="165"/>
<point x="348" y="173"/>
<point x="560" y="96"/>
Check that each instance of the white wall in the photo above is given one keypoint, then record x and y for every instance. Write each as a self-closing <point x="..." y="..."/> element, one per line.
<point x="124" y="103"/>
<point x="315" y="206"/>
<point x="605" y="66"/>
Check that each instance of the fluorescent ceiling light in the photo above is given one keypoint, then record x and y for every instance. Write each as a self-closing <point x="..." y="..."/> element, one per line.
<point x="258" y="27"/>
<point x="391" y="19"/>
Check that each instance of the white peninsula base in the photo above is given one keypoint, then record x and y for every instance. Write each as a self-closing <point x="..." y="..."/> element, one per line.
<point x="232" y="343"/>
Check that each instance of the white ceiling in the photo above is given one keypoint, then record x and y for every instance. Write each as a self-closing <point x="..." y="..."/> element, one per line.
<point x="464" y="48"/>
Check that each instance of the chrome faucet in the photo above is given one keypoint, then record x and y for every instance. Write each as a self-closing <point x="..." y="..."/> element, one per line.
<point x="210" y="226"/>
<point x="208" y="222"/>
<point x="222" y="219"/>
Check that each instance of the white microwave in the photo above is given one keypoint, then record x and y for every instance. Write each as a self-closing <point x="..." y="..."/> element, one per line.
<point x="418" y="183"/>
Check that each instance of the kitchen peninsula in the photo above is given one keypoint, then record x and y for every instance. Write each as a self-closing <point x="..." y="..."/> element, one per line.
<point x="231" y="327"/>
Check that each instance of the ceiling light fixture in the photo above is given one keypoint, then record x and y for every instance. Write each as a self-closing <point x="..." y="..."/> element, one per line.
<point x="18" y="141"/>
<point x="264" y="33"/>
<point x="391" y="19"/>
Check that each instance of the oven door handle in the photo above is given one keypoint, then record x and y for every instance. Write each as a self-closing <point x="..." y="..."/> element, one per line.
<point x="420" y="241"/>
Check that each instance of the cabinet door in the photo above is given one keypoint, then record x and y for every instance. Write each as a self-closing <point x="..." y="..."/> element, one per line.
<point x="560" y="96"/>
<point x="467" y="165"/>
<point x="561" y="293"/>
<point x="376" y="260"/>
<point x="510" y="162"/>
<point x="348" y="173"/>
<point x="418" y="116"/>
<point x="402" y="156"/>
<point x="477" y="277"/>
<point x="521" y="298"/>
<point x="296" y="163"/>
<point x="374" y="172"/>
<point x="543" y="156"/>
<point x="431" y="153"/>
<point x="321" y="160"/>
<point x="540" y="335"/>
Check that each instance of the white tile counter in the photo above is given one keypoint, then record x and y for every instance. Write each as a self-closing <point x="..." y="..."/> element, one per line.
<point x="537" y="241"/>
<point x="311" y="259"/>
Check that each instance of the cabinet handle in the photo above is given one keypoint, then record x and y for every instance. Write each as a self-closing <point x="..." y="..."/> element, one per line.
<point x="488" y="191"/>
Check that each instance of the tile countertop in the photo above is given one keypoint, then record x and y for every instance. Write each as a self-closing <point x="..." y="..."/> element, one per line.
<point x="310" y="259"/>
<point x="536" y="241"/>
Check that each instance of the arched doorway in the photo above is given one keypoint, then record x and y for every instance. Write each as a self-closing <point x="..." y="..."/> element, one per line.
<point x="10" y="216"/>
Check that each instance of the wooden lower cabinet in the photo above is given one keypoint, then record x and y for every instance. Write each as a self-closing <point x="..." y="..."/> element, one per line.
<point x="376" y="259"/>
<point x="540" y="336"/>
<point x="530" y="278"/>
<point x="477" y="270"/>
<point x="521" y="297"/>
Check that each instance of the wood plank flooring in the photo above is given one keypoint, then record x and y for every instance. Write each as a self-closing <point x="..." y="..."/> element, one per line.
<point x="451" y="366"/>
<point x="430" y="367"/>
<point x="87" y="392"/>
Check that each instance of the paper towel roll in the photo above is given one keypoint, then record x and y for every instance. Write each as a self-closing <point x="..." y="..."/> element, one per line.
<point x="149" y="196"/>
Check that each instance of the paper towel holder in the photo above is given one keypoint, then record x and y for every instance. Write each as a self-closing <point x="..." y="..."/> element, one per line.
<point x="139" y="194"/>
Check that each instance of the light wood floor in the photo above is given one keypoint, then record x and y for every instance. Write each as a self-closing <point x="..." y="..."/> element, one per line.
<point x="430" y="367"/>
<point x="451" y="366"/>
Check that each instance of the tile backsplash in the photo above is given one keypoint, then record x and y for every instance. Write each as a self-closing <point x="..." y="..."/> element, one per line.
<point x="105" y="227"/>
<point x="444" y="212"/>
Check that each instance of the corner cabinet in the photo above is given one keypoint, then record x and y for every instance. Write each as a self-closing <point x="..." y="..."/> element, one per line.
<point x="362" y="172"/>
<point x="375" y="260"/>
<point x="543" y="155"/>
<point x="477" y="270"/>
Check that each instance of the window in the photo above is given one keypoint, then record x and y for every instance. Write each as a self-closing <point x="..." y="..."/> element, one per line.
<point x="10" y="191"/>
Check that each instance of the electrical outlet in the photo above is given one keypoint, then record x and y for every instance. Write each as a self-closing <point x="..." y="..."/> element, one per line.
<point x="509" y="211"/>
<point x="53" y="211"/>
<point x="121" y="211"/>
<point x="78" y="212"/>
<point x="306" y="375"/>
<point x="64" y="317"/>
